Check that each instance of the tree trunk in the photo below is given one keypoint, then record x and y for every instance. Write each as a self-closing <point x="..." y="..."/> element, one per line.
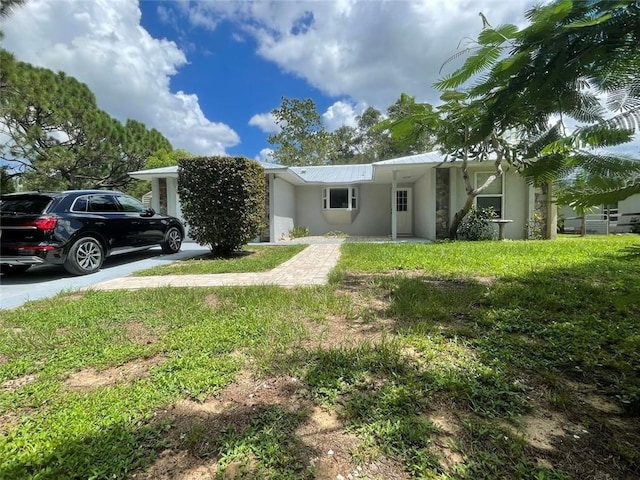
<point x="460" y="214"/>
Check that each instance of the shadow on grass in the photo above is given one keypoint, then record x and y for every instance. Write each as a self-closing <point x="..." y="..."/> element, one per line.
<point x="112" y="453"/>
<point x="257" y="441"/>
<point x="560" y="342"/>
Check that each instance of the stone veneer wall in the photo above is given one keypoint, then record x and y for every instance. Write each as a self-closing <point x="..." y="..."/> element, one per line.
<point x="443" y="202"/>
<point x="538" y="226"/>
<point x="162" y="200"/>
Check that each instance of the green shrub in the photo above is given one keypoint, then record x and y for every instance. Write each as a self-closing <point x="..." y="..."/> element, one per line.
<point x="477" y="225"/>
<point x="223" y="200"/>
<point x="298" y="232"/>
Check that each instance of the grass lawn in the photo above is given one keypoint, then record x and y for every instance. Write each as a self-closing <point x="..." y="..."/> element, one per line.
<point x="488" y="360"/>
<point x="250" y="259"/>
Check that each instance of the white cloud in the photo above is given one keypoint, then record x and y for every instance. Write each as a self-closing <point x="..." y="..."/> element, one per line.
<point x="265" y="122"/>
<point x="102" y="44"/>
<point x="265" y="155"/>
<point x="341" y="113"/>
<point x="367" y="51"/>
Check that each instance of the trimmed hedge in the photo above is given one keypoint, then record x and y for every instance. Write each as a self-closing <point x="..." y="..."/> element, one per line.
<point x="223" y="200"/>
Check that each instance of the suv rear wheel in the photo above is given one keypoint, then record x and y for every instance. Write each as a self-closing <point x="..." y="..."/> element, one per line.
<point x="85" y="256"/>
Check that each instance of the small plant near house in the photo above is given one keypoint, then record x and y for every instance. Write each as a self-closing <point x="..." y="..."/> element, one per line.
<point x="536" y="226"/>
<point x="222" y="200"/>
<point x="477" y="225"/>
<point x="298" y="232"/>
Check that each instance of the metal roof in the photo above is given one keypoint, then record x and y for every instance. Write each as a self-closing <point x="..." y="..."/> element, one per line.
<point x="334" y="173"/>
<point x="429" y="157"/>
<point x="324" y="174"/>
<point x="157" y="171"/>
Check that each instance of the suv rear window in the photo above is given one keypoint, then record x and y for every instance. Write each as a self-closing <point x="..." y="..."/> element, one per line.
<point x="24" y="205"/>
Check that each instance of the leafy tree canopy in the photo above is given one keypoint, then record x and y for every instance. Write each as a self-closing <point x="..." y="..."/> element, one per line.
<point x="303" y="139"/>
<point x="59" y="137"/>
<point x="555" y="71"/>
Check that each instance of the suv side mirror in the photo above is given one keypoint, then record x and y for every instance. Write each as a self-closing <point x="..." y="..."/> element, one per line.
<point x="149" y="212"/>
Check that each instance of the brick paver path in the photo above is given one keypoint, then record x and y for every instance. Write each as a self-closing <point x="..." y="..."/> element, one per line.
<point x="309" y="267"/>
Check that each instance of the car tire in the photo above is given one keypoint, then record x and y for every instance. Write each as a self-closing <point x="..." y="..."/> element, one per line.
<point x="85" y="256"/>
<point x="14" y="269"/>
<point x="172" y="241"/>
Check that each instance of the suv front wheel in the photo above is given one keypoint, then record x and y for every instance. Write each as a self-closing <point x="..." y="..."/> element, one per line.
<point x="85" y="256"/>
<point x="172" y="241"/>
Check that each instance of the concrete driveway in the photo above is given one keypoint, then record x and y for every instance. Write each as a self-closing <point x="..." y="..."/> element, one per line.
<point x="48" y="280"/>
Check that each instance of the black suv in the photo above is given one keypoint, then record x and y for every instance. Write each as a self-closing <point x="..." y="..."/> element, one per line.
<point x="78" y="229"/>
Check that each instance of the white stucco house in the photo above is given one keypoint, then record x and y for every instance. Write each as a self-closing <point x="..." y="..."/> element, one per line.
<point x="413" y="196"/>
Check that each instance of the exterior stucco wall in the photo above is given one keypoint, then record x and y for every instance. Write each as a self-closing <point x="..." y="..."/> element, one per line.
<point x="515" y="200"/>
<point x="629" y="205"/>
<point x="424" y="210"/>
<point x="373" y="218"/>
<point x="283" y="200"/>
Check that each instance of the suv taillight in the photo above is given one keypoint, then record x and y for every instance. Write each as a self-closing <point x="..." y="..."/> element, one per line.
<point x="45" y="223"/>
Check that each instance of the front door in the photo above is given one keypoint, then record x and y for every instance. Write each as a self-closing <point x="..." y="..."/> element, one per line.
<point x="404" y="212"/>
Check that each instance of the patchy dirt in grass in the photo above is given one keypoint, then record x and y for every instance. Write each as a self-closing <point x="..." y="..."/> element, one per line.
<point x="338" y="331"/>
<point x="16" y="383"/>
<point x="196" y="428"/>
<point x="212" y="301"/>
<point x="591" y="440"/>
<point x="8" y="421"/>
<point x="90" y="378"/>
<point x="323" y="444"/>
<point x="72" y="297"/>
<point x="4" y="359"/>
<point x="139" y="333"/>
<point x="445" y="417"/>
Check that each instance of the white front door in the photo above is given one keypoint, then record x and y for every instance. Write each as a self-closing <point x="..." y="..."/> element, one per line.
<point x="404" y="215"/>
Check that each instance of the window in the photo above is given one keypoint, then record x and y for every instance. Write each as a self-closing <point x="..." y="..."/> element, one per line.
<point x="493" y="195"/>
<point x="103" y="203"/>
<point x="80" y="204"/>
<point x="402" y="201"/>
<point x="340" y="198"/>
<point x="129" y="204"/>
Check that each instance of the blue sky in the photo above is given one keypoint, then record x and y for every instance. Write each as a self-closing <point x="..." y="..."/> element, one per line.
<point x="207" y="73"/>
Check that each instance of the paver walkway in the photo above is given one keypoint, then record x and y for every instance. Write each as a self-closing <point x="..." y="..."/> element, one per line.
<point x="309" y="267"/>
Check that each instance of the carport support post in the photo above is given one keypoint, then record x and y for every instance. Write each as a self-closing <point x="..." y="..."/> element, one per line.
<point x="394" y="209"/>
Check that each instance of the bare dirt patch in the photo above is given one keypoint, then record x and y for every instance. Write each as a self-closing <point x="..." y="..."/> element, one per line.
<point x="212" y="300"/>
<point x="339" y="331"/>
<point x="90" y="378"/>
<point x="8" y="421"/>
<point x="196" y="427"/>
<point x="139" y="333"/>
<point x="72" y="297"/>
<point x="16" y="383"/>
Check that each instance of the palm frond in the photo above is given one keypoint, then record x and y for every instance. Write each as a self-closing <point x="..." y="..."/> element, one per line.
<point x="590" y="196"/>
<point x="547" y="169"/>
<point x="606" y="165"/>
<point x="483" y="58"/>
<point x="538" y="143"/>
<point x="497" y="35"/>
<point x="589" y="21"/>
<point x="455" y="56"/>
<point x="629" y="120"/>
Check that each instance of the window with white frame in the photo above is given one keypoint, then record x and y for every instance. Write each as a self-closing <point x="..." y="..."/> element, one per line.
<point x="335" y="198"/>
<point x="493" y="195"/>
